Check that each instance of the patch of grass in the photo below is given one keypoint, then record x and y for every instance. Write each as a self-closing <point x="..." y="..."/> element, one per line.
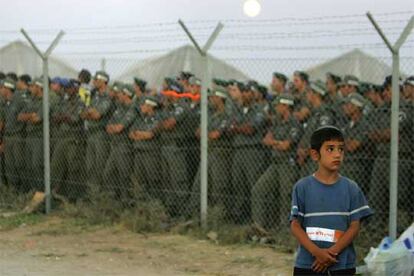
<point x="10" y="199"/>
<point x="51" y="255"/>
<point x="256" y="261"/>
<point x="111" y="250"/>
<point x="19" y="220"/>
<point x="146" y="217"/>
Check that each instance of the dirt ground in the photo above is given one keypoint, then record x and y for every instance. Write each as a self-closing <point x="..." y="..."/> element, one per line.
<point x="55" y="246"/>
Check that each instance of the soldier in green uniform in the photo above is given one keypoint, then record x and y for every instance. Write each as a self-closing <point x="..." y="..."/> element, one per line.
<point x="119" y="164"/>
<point x="409" y="89"/>
<point x="349" y="85"/>
<point x="322" y="115"/>
<point x="193" y="122"/>
<point x="332" y="85"/>
<point x="356" y="164"/>
<point x="57" y="99"/>
<point x="22" y="87"/>
<point x="3" y="180"/>
<point x="139" y="88"/>
<point x="302" y="107"/>
<point x="219" y="153"/>
<point x="247" y="126"/>
<point x="13" y="142"/>
<point x="380" y="133"/>
<point x="278" y="84"/>
<point x="144" y="134"/>
<point x="97" y="115"/>
<point x="68" y="163"/>
<point x="271" y="193"/>
<point x="32" y="116"/>
<point x="175" y="172"/>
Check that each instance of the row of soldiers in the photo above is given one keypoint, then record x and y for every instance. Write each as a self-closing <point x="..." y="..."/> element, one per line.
<point x="130" y="142"/>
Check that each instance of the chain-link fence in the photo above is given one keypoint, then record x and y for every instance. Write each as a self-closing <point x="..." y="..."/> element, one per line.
<point x="129" y="135"/>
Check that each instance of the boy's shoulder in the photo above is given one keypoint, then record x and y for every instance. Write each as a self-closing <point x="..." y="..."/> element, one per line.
<point x="303" y="182"/>
<point x="307" y="180"/>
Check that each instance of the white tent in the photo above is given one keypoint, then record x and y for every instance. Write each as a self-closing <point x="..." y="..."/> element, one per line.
<point x="185" y="58"/>
<point x="20" y="58"/>
<point x="356" y="62"/>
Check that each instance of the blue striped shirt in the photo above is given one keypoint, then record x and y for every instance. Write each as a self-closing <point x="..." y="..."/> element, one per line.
<point x="325" y="212"/>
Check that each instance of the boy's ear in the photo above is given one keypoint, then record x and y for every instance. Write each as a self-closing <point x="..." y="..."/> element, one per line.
<point x="314" y="154"/>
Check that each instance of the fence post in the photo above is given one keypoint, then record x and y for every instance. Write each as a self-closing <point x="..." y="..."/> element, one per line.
<point x="46" y="135"/>
<point x="204" y="117"/>
<point x="394" y="49"/>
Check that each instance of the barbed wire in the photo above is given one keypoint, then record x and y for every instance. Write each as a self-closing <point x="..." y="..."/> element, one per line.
<point x="337" y="19"/>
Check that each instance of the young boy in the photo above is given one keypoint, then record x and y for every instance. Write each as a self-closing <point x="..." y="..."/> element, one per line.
<point x="326" y="210"/>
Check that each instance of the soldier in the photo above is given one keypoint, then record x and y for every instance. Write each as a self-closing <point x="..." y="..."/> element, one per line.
<point x="260" y="96"/>
<point x="13" y="137"/>
<point x="144" y="134"/>
<point x="278" y="84"/>
<point x="97" y="115"/>
<point x="139" y="88"/>
<point x="68" y="163"/>
<point x="193" y="121"/>
<point x="247" y="127"/>
<point x="409" y="89"/>
<point x="175" y="172"/>
<point x="219" y="154"/>
<point x="22" y="87"/>
<point x="271" y="193"/>
<point x="32" y="116"/>
<point x="114" y="91"/>
<point x="119" y="165"/>
<point x="57" y="87"/>
<point x="3" y="180"/>
<point x="302" y="107"/>
<point x="349" y="85"/>
<point x="183" y="80"/>
<point x="356" y="164"/>
<point x="380" y="133"/>
<point x="332" y="82"/>
<point x="322" y="115"/>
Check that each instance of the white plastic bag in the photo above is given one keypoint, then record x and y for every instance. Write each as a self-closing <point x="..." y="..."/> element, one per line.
<point x="396" y="260"/>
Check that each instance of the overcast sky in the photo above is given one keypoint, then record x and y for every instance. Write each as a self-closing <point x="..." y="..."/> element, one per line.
<point x="105" y="28"/>
<point x="90" y="13"/>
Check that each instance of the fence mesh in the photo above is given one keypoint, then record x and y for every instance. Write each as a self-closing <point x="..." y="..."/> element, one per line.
<point x="117" y="142"/>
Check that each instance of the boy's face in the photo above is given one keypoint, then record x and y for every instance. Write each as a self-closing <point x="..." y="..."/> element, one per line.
<point x="330" y="155"/>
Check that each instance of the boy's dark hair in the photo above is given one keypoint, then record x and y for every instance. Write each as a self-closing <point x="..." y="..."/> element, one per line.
<point x="323" y="134"/>
<point x="84" y="76"/>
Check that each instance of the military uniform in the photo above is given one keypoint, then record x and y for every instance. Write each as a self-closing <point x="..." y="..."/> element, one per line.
<point x="379" y="187"/>
<point x="219" y="166"/>
<point x="56" y="105"/>
<point x="147" y="156"/>
<point x="271" y="193"/>
<point x="248" y="156"/>
<point x="118" y="167"/>
<point x="34" y="160"/>
<point x="97" y="144"/>
<point x="193" y="144"/>
<point x="321" y="116"/>
<point x="68" y="161"/>
<point x="14" y="145"/>
<point x="357" y="165"/>
<point x="174" y="154"/>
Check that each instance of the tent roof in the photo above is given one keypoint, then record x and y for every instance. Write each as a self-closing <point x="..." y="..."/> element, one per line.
<point x="185" y="58"/>
<point x="365" y="67"/>
<point x="20" y="58"/>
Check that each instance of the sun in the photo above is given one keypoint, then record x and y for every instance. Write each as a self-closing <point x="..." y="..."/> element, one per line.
<point x="251" y="8"/>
